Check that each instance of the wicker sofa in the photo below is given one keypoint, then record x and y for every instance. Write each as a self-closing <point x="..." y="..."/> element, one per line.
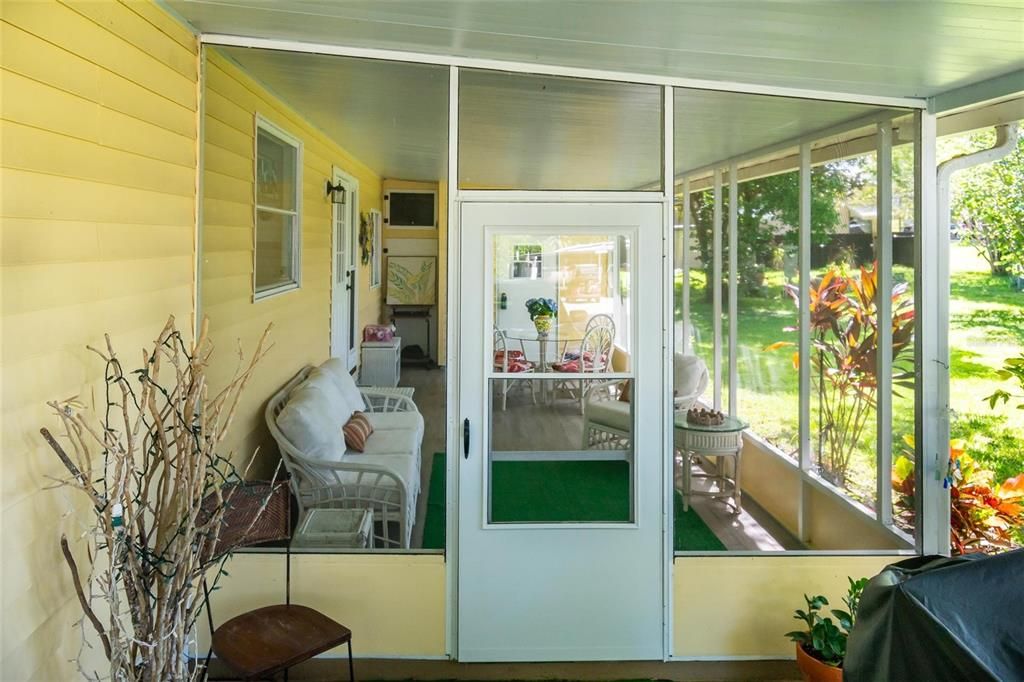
<point x="305" y="418"/>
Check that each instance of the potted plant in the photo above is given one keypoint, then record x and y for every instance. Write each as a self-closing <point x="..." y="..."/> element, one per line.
<point x="542" y="311"/>
<point x="820" y="648"/>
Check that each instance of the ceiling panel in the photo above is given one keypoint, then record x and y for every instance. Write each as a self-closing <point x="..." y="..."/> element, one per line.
<point x="712" y="126"/>
<point x="895" y="48"/>
<point x="545" y="133"/>
<point x="391" y="116"/>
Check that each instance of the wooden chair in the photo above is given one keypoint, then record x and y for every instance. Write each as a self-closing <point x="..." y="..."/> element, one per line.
<point x="260" y="644"/>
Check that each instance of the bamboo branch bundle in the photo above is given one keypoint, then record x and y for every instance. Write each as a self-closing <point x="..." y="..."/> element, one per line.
<point x="146" y="461"/>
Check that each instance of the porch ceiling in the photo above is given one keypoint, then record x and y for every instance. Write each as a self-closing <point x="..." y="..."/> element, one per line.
<point x="391" y="116"/>
<point x="898" y="49"/>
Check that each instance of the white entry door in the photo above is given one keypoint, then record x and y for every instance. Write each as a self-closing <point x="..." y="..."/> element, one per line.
<point x="344" y="304"/>
<point x="561" y="503"/>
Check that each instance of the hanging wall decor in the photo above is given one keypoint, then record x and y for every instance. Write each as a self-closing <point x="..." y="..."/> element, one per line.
<point x="366" y="245"/>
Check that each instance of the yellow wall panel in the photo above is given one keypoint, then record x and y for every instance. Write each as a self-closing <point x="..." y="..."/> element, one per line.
<point x="121" y="21"/>
<point x="394" y="603"/>
<point x="42" y="106"/>
<point x="98" y="121"/>
<point x="227" y="162"/>
<point x="224" y="136"/>
<point x="31" y="195"/>
<point x="171" y="27"/>
<point x="84" y="160"/>
<point x="63" y="26"/>
<point x="742" y="606"/>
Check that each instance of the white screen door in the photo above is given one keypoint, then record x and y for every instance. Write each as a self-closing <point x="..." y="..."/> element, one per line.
<point x="343" y="271"/>
<point x="561" y="552"/>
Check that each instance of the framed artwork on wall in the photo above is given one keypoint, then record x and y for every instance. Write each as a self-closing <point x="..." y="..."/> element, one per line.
<point x="412" y="280"/>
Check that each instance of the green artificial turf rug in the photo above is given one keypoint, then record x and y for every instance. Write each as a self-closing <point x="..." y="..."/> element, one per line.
<point x="561" y="491"/>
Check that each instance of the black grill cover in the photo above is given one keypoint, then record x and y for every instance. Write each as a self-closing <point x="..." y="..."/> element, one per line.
<point x="937" y="618"/>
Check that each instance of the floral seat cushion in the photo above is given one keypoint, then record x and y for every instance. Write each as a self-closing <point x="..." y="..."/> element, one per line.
<point x="515" y="364"/>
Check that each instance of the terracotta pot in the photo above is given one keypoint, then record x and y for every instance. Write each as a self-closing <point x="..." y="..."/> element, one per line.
<point x="814" y="670"/>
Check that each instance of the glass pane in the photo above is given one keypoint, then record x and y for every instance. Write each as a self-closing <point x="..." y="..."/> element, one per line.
<point x="561" y="448"/>
<point x="551" y="464"/>
<point x="843" y="324"/>
<point x="768" y="233"/>
<point x="275" y="172"/>
<point x="563" y="286"/>
<point x="528" y="132"/>
<point x="274" y="256"/>
<point x="831" y="505"/>
<point x="904" y="512"/>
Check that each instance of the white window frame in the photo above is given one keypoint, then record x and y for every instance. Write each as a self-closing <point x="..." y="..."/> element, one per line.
<point x="262" y="124"/>
<point x="376" y="262"/>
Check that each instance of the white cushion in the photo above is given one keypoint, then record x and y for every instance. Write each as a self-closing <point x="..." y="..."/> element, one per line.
<point x="307" y="422"/>
<point x="406" y="467"/>
<point x="690" y="375"/>
<point x="386" y="421"/>
<point x="613" y="413"/>
<point x="336" y="402"/>
<point x="335" y="368"/>
<point x="393" y="442"/>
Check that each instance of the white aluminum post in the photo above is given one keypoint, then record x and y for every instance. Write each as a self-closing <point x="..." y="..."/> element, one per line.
<point x="931" y="350"/>
<point x="668" y="338"/>
<point x="716" y="288"/>
<point x="685" y="249"/>
<point x="452" y="368"/>
<point x="804" y="343"/>
<point x="883" y="307"/>
<point x="734" y="379"/>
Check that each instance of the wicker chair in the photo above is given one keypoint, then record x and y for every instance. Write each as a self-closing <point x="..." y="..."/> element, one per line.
<point x="608" y="421"/>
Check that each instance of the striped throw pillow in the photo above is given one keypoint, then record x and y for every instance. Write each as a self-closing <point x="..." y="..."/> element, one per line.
<point x="357" y="429"/>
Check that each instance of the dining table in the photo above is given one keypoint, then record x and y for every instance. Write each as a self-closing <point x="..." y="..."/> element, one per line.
<point x="558" y="337"/>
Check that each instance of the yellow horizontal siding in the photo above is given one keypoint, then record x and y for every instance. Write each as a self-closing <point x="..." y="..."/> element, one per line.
<point x="76" y="33"/>
<point x="40" y="105"/>
<point x="82" y="160"/>
<point x="97" y="220"/>
<point x="301" y="317"/>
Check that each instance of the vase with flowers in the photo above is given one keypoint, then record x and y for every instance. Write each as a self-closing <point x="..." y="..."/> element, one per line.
<point x="542" y="312"/>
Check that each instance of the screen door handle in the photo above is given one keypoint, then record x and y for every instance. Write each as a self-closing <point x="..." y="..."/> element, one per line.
<point x="465" y="437"/>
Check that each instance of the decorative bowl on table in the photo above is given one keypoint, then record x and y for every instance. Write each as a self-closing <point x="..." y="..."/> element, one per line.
<point x="702" y="417"/>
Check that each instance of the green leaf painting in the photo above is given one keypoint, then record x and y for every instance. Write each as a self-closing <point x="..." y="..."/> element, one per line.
<point x="412" y="280"/>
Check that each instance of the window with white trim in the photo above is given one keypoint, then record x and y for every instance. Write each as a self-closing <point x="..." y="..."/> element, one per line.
<point x="278" y="180"/>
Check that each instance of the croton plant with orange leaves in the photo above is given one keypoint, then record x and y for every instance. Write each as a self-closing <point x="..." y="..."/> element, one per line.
<point x="844" y="334"/>
<point x="983" y="514"/>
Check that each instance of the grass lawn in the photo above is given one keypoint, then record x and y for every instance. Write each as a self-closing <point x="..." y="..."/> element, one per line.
<point x="986" y="326"/>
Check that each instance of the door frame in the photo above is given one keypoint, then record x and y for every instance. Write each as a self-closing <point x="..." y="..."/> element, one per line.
<point x="663" y="407"/>
<point x="351" y="206"/>
<point x="453" y="441"/>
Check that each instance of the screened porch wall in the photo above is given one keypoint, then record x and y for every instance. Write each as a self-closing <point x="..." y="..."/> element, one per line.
<point x="302" y="317"/>
<point x="827" y="207"/>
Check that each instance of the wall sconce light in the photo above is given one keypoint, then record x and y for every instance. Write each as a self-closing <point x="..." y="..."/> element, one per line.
<point x="336" y="193"/>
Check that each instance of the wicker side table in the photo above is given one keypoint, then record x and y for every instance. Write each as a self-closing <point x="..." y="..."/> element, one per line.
<point x="722" y="440"/>
<point x="335" y="528"/>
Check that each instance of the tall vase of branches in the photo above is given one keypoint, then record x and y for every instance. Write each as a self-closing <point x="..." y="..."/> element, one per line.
<point x="148" y="462"/>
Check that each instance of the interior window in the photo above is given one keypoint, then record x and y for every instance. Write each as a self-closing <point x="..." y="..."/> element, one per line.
<point x="278" y="164"/>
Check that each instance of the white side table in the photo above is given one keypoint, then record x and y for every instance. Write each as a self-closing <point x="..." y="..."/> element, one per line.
<point x="347" y="528"/>
<point x="722" y="440"/>
<point x="382" y="363"/>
